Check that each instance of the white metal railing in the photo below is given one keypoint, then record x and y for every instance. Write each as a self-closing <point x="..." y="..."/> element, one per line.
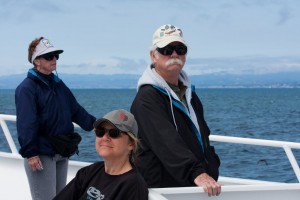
<point x="10" y="141"/>
<point x="6" y="131"/>
<point x="287" y="146"/>
<point x="252" y="190"/>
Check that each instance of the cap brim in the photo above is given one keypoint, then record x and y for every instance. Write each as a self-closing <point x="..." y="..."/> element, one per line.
<point x="169" y="40"/>
<point x="100" y="121"/>
<point x="51" y="51"/>
<point x="118" y="126"/>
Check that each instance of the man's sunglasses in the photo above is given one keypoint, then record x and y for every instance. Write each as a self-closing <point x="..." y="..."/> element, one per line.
<point x="112" y="133"/>
<point x="50" y="57"/>
<point x="169" y="49"/>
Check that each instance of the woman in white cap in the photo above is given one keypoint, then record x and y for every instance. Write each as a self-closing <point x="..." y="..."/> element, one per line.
<point x="45" y="109"/>
<point x="116" y="177"/>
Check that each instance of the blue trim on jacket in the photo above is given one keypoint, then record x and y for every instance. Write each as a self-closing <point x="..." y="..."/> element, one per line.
<point x="179" y="106"/>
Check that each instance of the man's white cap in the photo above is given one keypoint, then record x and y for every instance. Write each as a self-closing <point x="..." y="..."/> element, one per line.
<point x="44" y="47"/>
<point x="166" y="34"/>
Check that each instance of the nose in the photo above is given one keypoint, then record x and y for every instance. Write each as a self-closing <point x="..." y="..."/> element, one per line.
<point x="105" y="136"/>
<point x="174" y="54"/>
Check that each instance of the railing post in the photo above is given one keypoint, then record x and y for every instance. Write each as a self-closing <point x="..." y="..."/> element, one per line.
<point x="292" y="160"/>
<point x="9" y="139"/>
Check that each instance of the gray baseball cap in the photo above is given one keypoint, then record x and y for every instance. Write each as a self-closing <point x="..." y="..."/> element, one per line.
<point x="121" y="119"/>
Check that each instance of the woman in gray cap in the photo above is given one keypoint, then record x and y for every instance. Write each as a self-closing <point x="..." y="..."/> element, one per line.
<point x="116" y="177"/>
<point x="46" y="109"/>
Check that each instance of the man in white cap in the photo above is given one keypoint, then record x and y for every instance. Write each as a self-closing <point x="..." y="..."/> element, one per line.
<point x="175" y="149"/>
<point x="46" y="108"/>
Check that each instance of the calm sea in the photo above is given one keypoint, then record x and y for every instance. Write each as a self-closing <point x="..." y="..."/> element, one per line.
<point x="254" y="113"/>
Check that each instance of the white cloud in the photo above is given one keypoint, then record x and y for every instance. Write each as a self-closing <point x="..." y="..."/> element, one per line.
<point x="115" y="65"/>
<point x="243" y="65"/>
<point x="114" y="36"/>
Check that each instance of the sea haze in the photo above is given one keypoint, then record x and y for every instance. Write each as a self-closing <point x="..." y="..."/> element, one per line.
<point x="262" y="113"/>
<point x="215" y="80"/>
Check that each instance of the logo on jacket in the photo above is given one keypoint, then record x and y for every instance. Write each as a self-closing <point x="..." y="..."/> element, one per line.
<point x="94" y="194"/>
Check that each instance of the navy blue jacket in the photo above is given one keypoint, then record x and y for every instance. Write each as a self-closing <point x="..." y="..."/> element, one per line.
<point x="45" y="109"/>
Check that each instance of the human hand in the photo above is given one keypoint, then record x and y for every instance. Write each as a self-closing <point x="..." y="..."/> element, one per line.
<point x="35" y="163"/>
<point x="209" y="184"/>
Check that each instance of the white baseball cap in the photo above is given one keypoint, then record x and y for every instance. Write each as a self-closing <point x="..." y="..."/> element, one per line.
<point x="166" y="34"/>
<point x="44" y="47"/>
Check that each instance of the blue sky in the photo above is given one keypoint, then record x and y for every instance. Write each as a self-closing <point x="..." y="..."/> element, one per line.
<point x="114" y="37"/>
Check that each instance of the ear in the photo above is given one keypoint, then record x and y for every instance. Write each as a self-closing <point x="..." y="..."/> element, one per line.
<point x="37" y="62"/>
<point x="130" y="145"/>
<point x="153" y="56"/>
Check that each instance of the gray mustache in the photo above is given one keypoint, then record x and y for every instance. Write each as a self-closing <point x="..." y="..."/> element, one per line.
<point x="174" y="61"/>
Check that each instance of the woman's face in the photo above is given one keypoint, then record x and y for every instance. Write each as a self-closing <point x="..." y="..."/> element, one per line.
<point x="113" y="148"/>
<point x="45" y="66"/>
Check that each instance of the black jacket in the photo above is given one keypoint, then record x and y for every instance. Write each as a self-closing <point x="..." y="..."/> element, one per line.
<point x="169" y="157"/>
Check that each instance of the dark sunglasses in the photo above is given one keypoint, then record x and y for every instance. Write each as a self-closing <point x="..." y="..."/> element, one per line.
<point x="50" y="57"/>
<point x="169" y="49"/>
<point x="112" y="133"/>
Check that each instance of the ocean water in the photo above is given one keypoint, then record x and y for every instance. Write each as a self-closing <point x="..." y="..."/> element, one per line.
<point x="253" y="113"/>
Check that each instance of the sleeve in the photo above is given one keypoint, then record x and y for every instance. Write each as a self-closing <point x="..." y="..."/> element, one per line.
<point x="79" y="115"/>
<point x="156" y="128"/>
<point x="212" y="159"/>
<point x="27" y="120"/>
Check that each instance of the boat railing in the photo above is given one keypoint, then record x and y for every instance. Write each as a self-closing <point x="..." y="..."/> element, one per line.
<point x="237" y="189"/>
<point x="286" y="146"/>
<point x="9" y="139"/>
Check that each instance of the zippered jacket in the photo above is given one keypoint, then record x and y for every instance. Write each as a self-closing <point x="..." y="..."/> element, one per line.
<point x="43" y="110"/>
<point x="174" y="147"/>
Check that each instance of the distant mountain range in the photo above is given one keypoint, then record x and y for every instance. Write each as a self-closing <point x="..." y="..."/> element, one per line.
<point x="216" y="80"/>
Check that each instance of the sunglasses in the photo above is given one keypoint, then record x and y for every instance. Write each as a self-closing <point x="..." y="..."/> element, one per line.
<point x="169" y="49"/>
<point x="112" y="133"/>
<point x="50" y="57"/>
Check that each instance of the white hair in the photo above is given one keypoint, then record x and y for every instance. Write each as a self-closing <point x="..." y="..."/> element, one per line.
<point x="155" y="52"/>
<point x="153" y="47"/>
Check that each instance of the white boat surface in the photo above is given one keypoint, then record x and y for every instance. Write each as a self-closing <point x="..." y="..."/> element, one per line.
<point x="14" y="185"/>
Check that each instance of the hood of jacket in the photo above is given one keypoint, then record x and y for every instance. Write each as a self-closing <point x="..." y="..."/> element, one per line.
<point x="151" y="77"/>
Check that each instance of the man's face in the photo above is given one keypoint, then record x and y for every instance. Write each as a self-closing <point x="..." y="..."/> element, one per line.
<point x="169" y="65"/>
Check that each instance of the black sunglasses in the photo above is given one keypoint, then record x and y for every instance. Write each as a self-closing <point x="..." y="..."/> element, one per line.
<point x="50" y="57"/>
<point x="168" y="50"/>
<point x="112" y="133"/>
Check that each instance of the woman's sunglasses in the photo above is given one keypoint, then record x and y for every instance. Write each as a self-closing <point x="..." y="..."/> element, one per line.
<point x="112" y="133"/>
<point x="50" y="57"/>
<point x="169" y="49"/>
